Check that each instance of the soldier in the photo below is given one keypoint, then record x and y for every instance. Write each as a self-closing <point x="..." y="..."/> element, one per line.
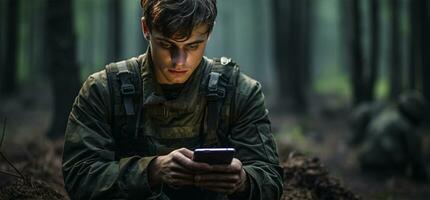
<point x="359" y="120"/>
<point x="133" y="126"/>
<point x="392" y="144"/>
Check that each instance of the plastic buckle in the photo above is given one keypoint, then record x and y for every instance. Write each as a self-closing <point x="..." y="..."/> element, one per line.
<point x="122" y="73"/>
<point x="213" y="81"/>
<point x="221" y="93"/>
<point x="127" y="89"/>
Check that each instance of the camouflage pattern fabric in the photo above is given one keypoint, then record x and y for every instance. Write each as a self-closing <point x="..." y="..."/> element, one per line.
<point x="92" y="170"/>
<point x="392" y="145"/>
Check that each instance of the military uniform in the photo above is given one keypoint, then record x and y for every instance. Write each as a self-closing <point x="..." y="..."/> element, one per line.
<point x="392" y="145"/>
<point x="98" y="165"/>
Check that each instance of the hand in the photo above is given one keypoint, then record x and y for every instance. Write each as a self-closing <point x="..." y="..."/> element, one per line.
<point x="175" y="169"/>
<point x="227" y="179"/>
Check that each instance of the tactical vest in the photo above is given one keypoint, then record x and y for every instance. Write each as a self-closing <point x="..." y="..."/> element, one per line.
<point x="126" y="92"/>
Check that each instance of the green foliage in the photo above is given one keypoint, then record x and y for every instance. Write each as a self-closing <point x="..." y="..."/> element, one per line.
<point x="332" y="80"/>
<point x="292" y="136"/>
<point x="381" y="88"/>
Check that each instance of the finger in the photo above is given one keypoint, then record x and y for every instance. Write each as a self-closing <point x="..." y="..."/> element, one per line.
<point x="217" y="177"/>
<point x="183" y="176"/>
<point x="188" y="163"/>
<point x="223" y="185"/>
<point x="186" y="152"/>
<point x="178" y="182"/>
<point x="178" y="179"/>
<point x="220" y="190"/>
<point x="176" y="167"/>
<point x="234" y="167"/>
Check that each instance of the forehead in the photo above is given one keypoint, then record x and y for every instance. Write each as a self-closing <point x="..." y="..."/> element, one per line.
<point x="199" y="32"/>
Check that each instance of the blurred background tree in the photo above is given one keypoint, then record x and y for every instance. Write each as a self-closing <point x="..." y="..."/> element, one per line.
<point x="62" y="63"/>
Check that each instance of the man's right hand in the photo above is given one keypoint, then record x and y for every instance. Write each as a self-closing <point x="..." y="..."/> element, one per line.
<point x="175" y="169"/>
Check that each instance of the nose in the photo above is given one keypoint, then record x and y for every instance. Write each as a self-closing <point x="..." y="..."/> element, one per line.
<point x="179" y="57"/>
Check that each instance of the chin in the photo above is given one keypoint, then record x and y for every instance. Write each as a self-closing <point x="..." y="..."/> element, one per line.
<point x="176" y="81"/>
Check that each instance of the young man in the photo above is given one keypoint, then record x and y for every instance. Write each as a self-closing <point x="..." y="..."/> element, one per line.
<point x="144" y="151"/>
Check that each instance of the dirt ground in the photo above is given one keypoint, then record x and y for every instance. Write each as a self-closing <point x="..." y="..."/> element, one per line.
<point x="323" y="166"/>
<point x="323" y="135"/>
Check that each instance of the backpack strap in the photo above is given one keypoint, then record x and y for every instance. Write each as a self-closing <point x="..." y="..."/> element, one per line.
<point x="220" y="92"/>
<point x="125" y="86"/>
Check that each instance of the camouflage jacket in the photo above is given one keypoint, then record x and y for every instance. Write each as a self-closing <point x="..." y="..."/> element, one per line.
<point x="92" y="171"/>
<point x="391" y="141"/>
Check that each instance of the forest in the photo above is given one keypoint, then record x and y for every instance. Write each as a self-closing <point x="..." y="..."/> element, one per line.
<point x="320" y="63"/>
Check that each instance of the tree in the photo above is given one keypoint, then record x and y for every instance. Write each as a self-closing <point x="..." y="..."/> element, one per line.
<point x="363" y="75"/>
<point x="374" y="51"/>
<point x="357" y="64"/>
<point x="37" y="42"/>
<point x="292" y="19"/>
<point x="414" y="44"/>
<point x="8" y="80"/>
<point x="115" y="19"/>
<point x="424" y="14"/>
<point x="62" y="66"/>
<point x="395" y="67"/>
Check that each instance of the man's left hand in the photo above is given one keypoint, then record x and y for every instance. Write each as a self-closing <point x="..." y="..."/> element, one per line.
<point x="227" y="179"/>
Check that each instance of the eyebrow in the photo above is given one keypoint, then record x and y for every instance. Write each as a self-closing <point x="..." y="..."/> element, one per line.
<point x="191" y="43"/>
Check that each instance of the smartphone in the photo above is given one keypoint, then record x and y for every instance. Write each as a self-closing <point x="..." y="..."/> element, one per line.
<point x="214" y="156"/>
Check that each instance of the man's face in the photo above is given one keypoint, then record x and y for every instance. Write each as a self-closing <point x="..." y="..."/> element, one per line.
<point x="175" y="61"/>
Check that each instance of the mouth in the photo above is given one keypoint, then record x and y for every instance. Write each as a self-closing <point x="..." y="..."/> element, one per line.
<point x="177" y="71"/>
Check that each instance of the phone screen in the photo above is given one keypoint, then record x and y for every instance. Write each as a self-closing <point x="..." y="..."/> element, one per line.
<point x="214" y="156"/>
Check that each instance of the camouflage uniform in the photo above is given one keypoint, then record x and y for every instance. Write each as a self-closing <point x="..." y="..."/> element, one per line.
<point x="393" y="144"/>
<point x="93" y="170"/>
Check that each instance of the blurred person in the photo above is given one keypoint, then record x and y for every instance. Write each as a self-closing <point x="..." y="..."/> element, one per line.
<point x="388" y="137"/>
<point x="133" y="126"/>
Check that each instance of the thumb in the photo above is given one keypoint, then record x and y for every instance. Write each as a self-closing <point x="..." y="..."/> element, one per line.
<point x="186" y="152"/>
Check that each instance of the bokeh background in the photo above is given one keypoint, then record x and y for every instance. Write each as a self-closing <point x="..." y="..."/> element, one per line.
<point x="316" y="60"/>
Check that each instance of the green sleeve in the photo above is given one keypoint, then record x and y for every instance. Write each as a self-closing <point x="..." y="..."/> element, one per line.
<point x="89" y="168"/>
<point x="252" y="138"/>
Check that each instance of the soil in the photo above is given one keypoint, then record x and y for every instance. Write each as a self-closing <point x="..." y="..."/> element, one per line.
<point x="305" y="178"/>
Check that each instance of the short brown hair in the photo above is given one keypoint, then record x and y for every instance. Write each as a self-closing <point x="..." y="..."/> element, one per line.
<point x="178" y="18"/>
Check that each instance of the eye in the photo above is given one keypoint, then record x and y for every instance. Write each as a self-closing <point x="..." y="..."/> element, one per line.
<point x="193" y="46"/>
<point x="165" y="45"/>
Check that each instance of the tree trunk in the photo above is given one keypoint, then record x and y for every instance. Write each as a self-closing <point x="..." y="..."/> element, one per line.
<point x="8" y="80"/>
<point x="357" y="64"/>
<point x="345" y="24"/>
<point x="395" y="55"/>
<point x="414" y="43"/>
<point x="279" y="10"/>
<point x="115" y="27"/>
<point x="2" y="42"/>
<point x="297" y="56"/>
<point x="307" y="9"/>
<point x="292" y="54"/>
<point x="63" y="68"/>
<point x="374" y="51"/>
<point x="37" y="39"/>
<point x="425" y="47"/>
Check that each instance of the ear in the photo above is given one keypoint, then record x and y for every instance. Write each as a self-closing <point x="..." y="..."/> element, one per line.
<point x="145" y="28"/>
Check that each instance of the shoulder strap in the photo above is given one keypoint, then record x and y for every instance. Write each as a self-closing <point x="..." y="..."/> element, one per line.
<point x="220" y="91"/>
<point x="125" y="86"/>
